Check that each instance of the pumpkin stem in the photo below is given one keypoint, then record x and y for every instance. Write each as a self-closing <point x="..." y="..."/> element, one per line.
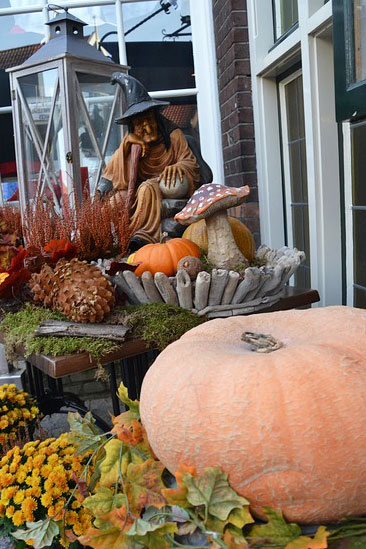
<point x="163" y="238"/>
<point x="261" y="343"/>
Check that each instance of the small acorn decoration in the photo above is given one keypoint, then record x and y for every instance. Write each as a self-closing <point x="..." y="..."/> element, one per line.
<point x="192" y="265"/>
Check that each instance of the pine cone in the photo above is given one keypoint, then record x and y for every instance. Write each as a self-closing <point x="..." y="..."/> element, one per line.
<point x="42" y="285"/>
<point x="76" y="289"/>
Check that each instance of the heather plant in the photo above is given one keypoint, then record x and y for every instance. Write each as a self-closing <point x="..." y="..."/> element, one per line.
<point x="98" y="227"/>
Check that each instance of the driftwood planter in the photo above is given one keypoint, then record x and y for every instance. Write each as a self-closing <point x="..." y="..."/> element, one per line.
<point x="219" y="294"/>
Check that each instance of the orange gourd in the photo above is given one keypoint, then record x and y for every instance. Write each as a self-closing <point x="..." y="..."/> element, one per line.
<point x="197" y="232"/>
<point x="164" y="257"/>
<point x="288" y="426"/>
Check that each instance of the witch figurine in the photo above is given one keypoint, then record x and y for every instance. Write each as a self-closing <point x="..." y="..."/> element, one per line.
<point x="157" y="153"/>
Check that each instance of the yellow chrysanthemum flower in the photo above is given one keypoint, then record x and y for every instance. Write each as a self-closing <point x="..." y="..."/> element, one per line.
<point x="28" y="506"/>
<point x="10" y="511"/>
<point x="46" y="499"/>
<point x="29" y="541"/>
<point x="71" y="517"/>
<point x="18" y="518"/>
<point x="21" y="476"/>
<point x="19" y="496"/>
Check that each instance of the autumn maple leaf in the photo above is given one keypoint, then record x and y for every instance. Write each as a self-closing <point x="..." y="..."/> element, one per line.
<point x="18" y="275"/>
<point x="128" y="429"/>
<point x="144" y="485"/>
<point x="178" y="496"/>
<point x="60" y="248"/>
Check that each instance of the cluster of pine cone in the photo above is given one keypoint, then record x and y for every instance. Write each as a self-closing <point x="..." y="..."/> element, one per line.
<point x="75" y="288"/>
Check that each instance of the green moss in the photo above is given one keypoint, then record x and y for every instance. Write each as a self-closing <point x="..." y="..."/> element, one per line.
<point x="19" y="328"/>
<point x="239" y="268"/>
<point x="161" y="324"/>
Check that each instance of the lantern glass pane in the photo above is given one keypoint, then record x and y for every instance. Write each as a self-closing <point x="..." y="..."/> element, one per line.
<point x="39" y="90"/>
<point x="98" y="94"/>
<point x="55" y="156"/>
<point x="116" y="133"/>
<point x="98" y="135"/>
<point x="32" y="162"/>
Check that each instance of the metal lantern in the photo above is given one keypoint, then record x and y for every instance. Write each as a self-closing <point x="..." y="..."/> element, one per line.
<point x="64" y="110"/>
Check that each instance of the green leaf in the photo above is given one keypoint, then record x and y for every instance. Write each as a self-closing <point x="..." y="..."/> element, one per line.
<point x="157" y="539"/>
<point x="42" y="532"/>
<point x="109" y="467"/>
<point x="141" y="527"/>
<point x="276" y="530"/>
<point x="212" y="490"/>
<point x="239" y="517"/>
<point x="84" y="435"/>
<point x="133" y="405"/>
<point x="319" y="541"/>
<point x="112" y="538"/>
<point x="103" y="500"/>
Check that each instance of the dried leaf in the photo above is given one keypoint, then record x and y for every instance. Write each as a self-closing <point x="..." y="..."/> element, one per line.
<point x="144" y="484"/>
<point x="212" y="490"/>
<point x="60" y="247"/>
<point x="277" y="531"/>
<point x="84" y="435"/>
<point x="120" y="266"/>
<point x="178" y="496"/>
<point x="133" y="405"/>
<point x="239" y="517"/>
<point x="18" y="276"/>
<point x="112" y="538"/>
<point x="128" y="430"/>
<point x="141" y="527"/>
<point x="109" y="467"/>
<point x="157" y="539"/>
<point x="81" y="484"/>
<point x="7" y="253"/>
<point x="103" y="501"/>
<point x="234" y="542"/>
<point x="42" y="532"/>
<point x="319" y="541"/>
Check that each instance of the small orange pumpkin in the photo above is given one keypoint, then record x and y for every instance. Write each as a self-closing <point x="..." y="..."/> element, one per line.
<point x="288" y="426"/>
<point x="164" y="257"/>
<point x="197" y="232"/>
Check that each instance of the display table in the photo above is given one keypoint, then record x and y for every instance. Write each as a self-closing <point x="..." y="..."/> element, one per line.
<point x="135" y="358"/>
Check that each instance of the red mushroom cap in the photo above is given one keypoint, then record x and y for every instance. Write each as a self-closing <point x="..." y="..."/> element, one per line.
<point x="209" y="199"/>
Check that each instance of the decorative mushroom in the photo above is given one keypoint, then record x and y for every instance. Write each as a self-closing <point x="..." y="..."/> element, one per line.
<point x="210" y="202"/>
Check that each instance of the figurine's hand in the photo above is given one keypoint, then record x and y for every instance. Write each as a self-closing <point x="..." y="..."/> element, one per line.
<point x="170" y="174"/>
<point x="132" y="139"/>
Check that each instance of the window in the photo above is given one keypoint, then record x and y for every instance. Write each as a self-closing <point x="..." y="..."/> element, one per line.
<point x="358" y="139"/>
<point x="359" y="18"/>
<point x="286" y="15"/>
<point x="295" y="174"/>
<point x="349" y="23"/>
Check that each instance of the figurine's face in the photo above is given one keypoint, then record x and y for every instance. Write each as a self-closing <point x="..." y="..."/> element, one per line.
<point x="145" y="126"/>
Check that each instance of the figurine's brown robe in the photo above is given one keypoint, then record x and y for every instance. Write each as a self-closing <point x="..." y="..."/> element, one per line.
<point x="147" y="206"/>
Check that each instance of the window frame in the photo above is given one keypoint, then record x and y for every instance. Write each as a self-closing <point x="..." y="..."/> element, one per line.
<point x="287" y="190"/>
<point x="350" y="95"/>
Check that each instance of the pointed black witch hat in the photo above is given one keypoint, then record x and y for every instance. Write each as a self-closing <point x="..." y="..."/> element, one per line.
<point x="137" y="98"/>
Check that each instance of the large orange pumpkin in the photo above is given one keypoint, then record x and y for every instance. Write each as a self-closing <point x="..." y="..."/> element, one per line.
<point x="164" y="257"/>
<point x="197" y="232"/>
<point x="289" y="426"/>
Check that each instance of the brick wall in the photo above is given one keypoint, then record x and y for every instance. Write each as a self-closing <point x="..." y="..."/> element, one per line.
<point x="232" y="49"/>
